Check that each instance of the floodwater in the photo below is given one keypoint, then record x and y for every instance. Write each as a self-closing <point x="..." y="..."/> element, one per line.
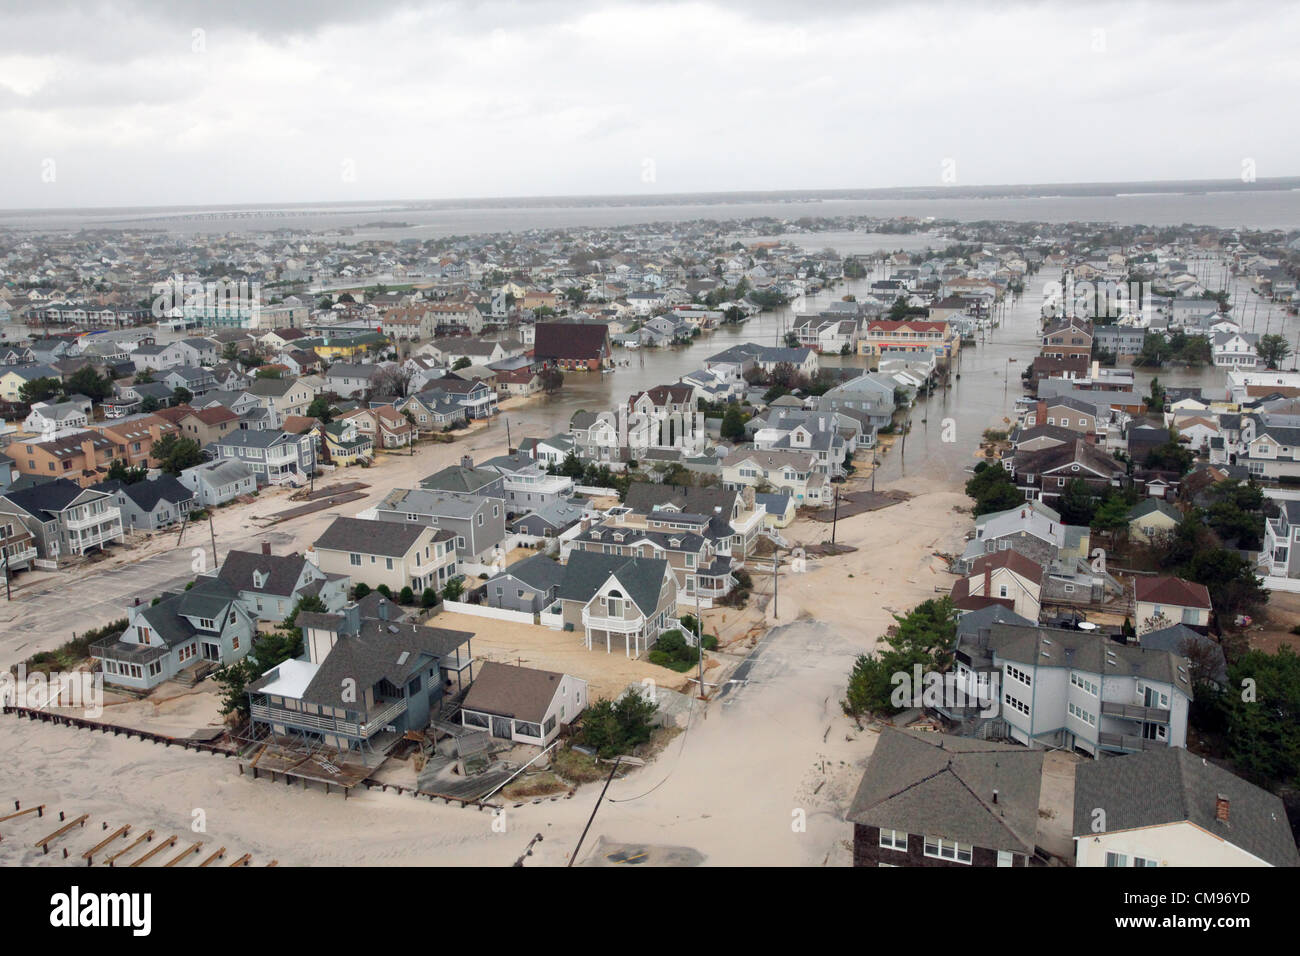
<point x="946" y="426"/>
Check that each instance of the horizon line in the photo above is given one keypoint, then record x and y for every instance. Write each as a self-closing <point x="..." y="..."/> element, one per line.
<point x="1261" y="184"/>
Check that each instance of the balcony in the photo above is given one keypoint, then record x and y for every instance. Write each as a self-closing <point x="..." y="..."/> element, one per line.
<point x="378" y="721"/>
<point x="93" y="520"/>
<point x="1128" y="742"/>
<point x="614" y="625"/>
<point x="19" y="555"/>
<point x="305" y="721"/>
<point x="1155" y="715"/>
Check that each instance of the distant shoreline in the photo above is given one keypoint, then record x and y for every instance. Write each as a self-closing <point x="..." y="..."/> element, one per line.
<point x="792" y="196"/>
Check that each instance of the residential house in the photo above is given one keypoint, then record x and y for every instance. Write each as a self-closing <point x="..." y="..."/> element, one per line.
<point x="217" y="482"/>
<point x="1164" y="600"/>
<point x="1005" y="577"/>
<point x="572" y="345"/>
<point x="398" y="554"/>
<point x="1172" y="808"/>
<point x="83" y="457"/>
<point x="937" y="800"/>
<point x="617" y="600"/>
<point x="152" y="504"/>
<point x="528" y="585"/>
<point x="523" y="705"/>
<point x="275" y="457"/>
<point x="476" y="523"/>
<point x="362" y="682"/>
<point x="205" y="625"/>
<point x="1076" y="689"/>
<point x="270" y="586"/>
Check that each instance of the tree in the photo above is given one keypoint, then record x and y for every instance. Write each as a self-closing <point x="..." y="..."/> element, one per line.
<point x="86" y="381"/>
<point x="572" y="466"/>
<point x="1076" y="503"/>
<point x="230" y="352"/>
<point x="1170" y="456"/>
<point x="392" y="380"/>
<point x="993" y="490"/>
<point x="551" y="379"/>
<point x="463" y="362"/>
<point x="320" y="408"/>
<point x="175" y="454"/>
<point x="1273" y="349"/>
<point x="1156" y="400"/>
<point x="733" y="423"/>
<point x="923" y="637"/>
<point x="1263" y="727"/>
<point x="39" y="390"/>
<point x="617" y="727"/>
<point x="453" y="589"/>
<point x="120" y="471"/>
<point x="269" y="372"/>
<point x="181" y="395"/>
<point x="150" y="404"/>
<point x="1230" y="578"/>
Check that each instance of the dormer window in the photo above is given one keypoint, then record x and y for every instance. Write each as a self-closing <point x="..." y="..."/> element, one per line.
<point x="259" y="579"/>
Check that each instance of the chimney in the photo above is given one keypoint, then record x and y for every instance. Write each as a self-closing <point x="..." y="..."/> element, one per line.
<point x="988" y="580"/>
<point x="1221" y="808"/>
<point x="351" y="623"/>
<point x="266" y="547"/>
<point x="1096" y="369"/>
<point x="467" y="461"/>
<point x="383" y="609"/>
<point x="1040" y="414"/>
<point x="995" y="796"/>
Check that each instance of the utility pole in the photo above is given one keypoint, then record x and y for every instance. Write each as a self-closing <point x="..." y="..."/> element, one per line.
<point x="8" y="594"/>
<point x="699" y="636"/>
<point x="835" y="517"/>
<point x="509" y="448"/>
<point x="591" y="819"/>
<point x="212" y="531"/>
<point x="776" y="577"/>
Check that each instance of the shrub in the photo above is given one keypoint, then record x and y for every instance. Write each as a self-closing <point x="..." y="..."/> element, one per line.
<point x="385" y="590"/>
<point x="360" y="591"/>
<point x="407" y="596"/>
<point x="429" y="598"/>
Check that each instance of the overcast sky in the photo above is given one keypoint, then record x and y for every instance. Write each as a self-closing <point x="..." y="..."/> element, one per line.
<point x="137" y="102"/>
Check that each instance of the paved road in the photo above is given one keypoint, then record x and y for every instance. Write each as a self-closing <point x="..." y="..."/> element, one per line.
<point x="44" y="616"/>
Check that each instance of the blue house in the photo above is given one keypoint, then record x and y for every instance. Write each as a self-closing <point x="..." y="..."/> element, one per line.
<point x="362" y="682"/>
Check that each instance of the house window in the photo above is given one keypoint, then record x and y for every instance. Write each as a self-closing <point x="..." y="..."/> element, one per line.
<point x="1116" y="859"/>
<point x="354" y="560"/>
<point x="940" y="849"/>
<point x="893" y="840"/>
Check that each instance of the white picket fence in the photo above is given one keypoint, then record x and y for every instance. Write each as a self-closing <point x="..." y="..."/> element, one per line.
<point x="482" y="610"/>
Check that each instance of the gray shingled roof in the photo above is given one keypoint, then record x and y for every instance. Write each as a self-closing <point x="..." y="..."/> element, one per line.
<point x="586" y="571"/>
<point x="1170" y="785"/>
<point x="389" y="538"/>
<point x="943" y="786"/>
<point x="519" y="692"/>
<point x="1057" y="647"/>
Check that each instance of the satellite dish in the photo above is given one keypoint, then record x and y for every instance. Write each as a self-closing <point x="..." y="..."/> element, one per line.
<point x="1087" y="626"/>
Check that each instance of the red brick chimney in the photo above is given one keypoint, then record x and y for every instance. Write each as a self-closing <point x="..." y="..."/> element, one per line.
<point x="1040" y="413"/>
<point x="1221" y="808"/>
<point x="988" y="580"/>
<point x="266" y="547"/>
